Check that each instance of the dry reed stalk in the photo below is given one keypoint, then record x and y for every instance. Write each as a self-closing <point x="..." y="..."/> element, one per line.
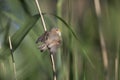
<point x="13" y="61"/>
<point x="117" y="62"/>
<point x="42" y="19"/>
<point x="45" y="29"/>
<point x="102" y="42"/>
<point x="53" y="66"/>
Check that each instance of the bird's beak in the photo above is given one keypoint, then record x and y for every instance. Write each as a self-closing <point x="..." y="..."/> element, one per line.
<point x="58" y="32"/>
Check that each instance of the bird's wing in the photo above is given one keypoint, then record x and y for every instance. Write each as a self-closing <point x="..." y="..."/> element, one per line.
<point x="43" y="47"/>
<point x="43" y="37"/>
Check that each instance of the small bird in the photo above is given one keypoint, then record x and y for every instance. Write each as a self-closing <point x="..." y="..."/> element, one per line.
<point x="51" y="40"/>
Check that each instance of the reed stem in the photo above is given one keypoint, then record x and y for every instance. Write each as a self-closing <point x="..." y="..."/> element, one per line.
<point x="45" y="29"/>
<point x="102" y="41"/>
<point x="13" y="61"/>
<point x="42" y="19"/>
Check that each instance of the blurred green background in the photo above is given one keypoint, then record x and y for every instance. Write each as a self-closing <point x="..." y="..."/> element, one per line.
<point x="90" y="47"/>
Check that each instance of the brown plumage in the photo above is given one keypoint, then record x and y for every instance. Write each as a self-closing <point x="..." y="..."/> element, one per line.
<point x="51" y="40"/>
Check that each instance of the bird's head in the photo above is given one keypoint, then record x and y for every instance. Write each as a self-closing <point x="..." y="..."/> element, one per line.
<point x="56" y="30"/>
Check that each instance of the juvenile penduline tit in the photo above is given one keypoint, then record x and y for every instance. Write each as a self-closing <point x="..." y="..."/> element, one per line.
<point x="51" y="40"/>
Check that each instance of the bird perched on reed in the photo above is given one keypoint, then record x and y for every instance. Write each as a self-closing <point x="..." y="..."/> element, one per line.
<point x="51" y="40"/>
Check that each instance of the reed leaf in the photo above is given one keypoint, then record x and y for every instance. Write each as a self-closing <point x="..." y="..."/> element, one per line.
<point x="19" y="35"/>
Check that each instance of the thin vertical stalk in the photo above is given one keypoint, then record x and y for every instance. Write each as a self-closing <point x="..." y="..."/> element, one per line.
<point x="117" y="62"/>
<point x="117" y="58"/>
<point x="72" y="68"/>
<point x="69" y="11"/>
<point x="73" y="58"/>
<point x="53" y="66"/>
<point x="42" y="19"/>
<point x="13" y="61"/>
<point x="45" y="29"/>
<point x="102" y="42"/>
<point x="59" y="24"/>
<point x="59" y="11"/>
